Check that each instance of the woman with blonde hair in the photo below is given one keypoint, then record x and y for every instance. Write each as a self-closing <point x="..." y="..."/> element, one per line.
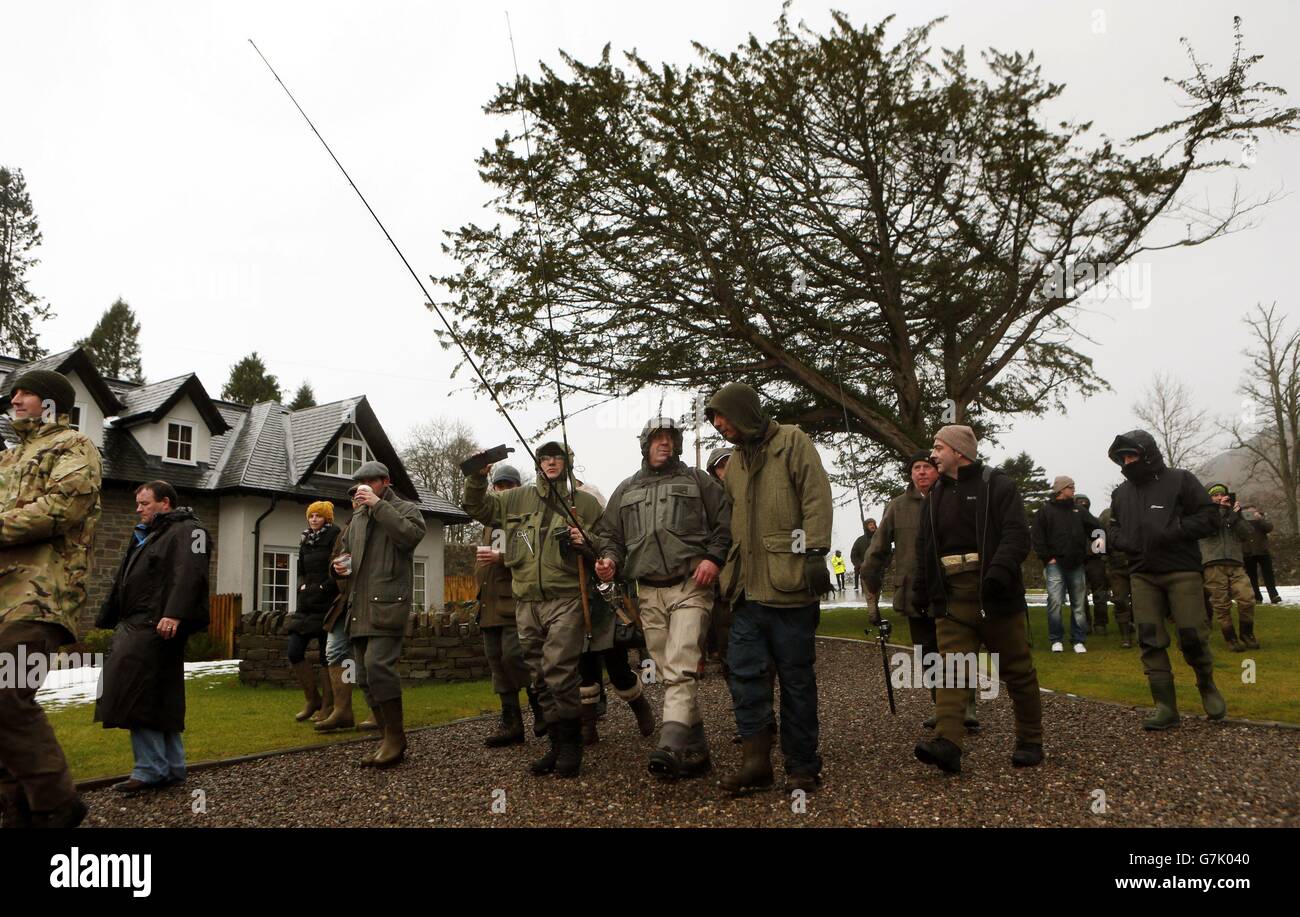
<point x="316" y="592"/>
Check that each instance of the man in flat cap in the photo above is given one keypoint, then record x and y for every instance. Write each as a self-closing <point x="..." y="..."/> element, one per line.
<point x="49" y="504"/>
<point x="381" y="540"/>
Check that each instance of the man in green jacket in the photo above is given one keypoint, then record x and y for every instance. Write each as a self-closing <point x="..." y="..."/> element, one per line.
<point x="668" y="528"/>
<point x="381" y="540"/>
<point x="1225" y="570"/>
<point x="49" y="504"/>
<point x="542" y="551"/>
<point x="781" y="511"/>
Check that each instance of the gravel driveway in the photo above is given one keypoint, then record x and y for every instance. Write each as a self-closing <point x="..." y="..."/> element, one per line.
<point x="1200" y="774"/>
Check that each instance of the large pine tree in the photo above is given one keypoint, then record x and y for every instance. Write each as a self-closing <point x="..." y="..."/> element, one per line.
<point x="303" y="398"/>
<point x="250" y="383"/>
<point x="114" y="345"/>
<point x="20" y="308"/>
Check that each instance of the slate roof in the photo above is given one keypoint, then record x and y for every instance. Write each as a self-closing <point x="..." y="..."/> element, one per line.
<point x="266" y="448"/>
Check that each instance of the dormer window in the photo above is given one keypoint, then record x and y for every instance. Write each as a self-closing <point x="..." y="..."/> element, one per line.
<point x="180" y="442"/>
<point x="74" y="417"/>
<point x="348" y="455"/>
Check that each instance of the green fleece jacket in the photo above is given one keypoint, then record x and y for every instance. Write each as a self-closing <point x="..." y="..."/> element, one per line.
<point x="781" y="504"/>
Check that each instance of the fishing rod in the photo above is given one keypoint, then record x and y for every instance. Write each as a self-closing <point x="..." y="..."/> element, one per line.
<point x="429" y="299"/>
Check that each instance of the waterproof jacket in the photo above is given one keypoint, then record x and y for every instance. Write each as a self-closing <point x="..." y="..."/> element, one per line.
<point x="540" y="569"/>
<point x="496" y="601"/>
<point x="781" y="506"/>
<point x="1257" y="545"/>
<point x="1060" y="531"/>
<point x="1116" y="560"/>
<point x="49" y="504"/>
<point x="659" y="523"/>
<point x="896" y="537"/>
<point x="143" y="682"/>
<point x="316" y="587"/>
<point x="1226" y="544"/>
<point x="837" y="564"/>
<point x="382" y="540"/>
<point x="858" y="553"/>
<point x="1002" y="536"/>
<point x="1158" y="515"/>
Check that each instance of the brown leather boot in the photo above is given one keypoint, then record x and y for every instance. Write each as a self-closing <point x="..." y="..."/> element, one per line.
<point x="392" y="749"/>
<point x="326" y="697"/>
<point x="341" y="716"/>
<point x="755" y="767"/>
<point x="302" y="671"/>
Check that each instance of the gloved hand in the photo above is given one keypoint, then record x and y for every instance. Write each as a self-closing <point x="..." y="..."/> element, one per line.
<point x="816" y="574"/>
<point x="997" y="584"/>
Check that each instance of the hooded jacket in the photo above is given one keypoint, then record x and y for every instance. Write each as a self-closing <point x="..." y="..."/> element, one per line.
<point x="661" y="521"/>
<point x="532" y="519"/>
<point x="49" y="504"/>
<point x="1227" y="543"/>
<point x="1158" y="515"/>
<point x="781" y="505"/>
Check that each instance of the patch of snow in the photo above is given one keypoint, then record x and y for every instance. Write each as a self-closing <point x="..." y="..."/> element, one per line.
<point x="72" y="687"/>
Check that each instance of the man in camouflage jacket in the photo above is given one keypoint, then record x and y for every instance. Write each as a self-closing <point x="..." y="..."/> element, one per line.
<point x="49" y="504"/>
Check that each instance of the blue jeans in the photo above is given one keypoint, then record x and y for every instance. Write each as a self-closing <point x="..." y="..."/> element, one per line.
<point x="159" y="756"/>
<point x="338" y="646"/>
<point x="1059" y="583"/>
<point x="787" y="636"/>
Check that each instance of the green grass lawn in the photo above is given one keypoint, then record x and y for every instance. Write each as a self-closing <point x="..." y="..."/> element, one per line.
<point x="1110" y="673"/>
<point x="224" y="719"/>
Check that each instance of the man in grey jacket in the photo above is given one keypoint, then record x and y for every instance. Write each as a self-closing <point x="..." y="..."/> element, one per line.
<point x="668" y="528"/>
<point x="380" y="540"/>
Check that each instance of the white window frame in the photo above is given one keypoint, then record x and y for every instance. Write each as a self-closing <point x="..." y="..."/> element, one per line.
<point x="263" y="583"/>
<point x="337" y="455"/>
<point x="167" y="441"/>
<point x="419" y="583"/>
<point x="77" y="425"/>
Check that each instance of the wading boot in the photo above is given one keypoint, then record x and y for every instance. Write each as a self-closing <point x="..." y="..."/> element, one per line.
<point x="666" y="760"/>
<point x="1230" y="638"/>
<point x="695" y="756"/>
<point x="341" y="717"/>
<point x="1215" y="708"/>
<point x="590" y="715"/>
<point x="755" y="767"/>
<point x="1248" y="636"/>
<point x="539" y="717"/>
<point x="1166" y="713"/>
<point x="940" y="752"/>
<point x="568" y="759"/>
<point x="511" y="730"/>
<point x="1027" y="754"/>
<point x="392" y="748"/>
<point x="302" y="671"/>
<point x="640" y="704"/>
<point x="546" y="763"/>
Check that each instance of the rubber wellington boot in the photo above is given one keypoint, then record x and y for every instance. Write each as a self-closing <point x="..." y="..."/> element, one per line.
<point x="546" y="763"/>
<point x="1165" y="715"/>
<point x="971" y="720"/>
<point x="341" y="717"/>
<point x="372" y="722"/>
<point x="640" y="704"/>
<point x="326" y="698"/>
<point x="302" y="671"/>
<point x="392" y="748"/>
<point x="511" y="730"/>
<point x="568" y="759"/>
<point x="1248" y="636"/>
<point x="539" y="716"/>
<point x="1215" y="708"/>
<point x="1230" y="638"/>
<point x="755" y="766"/>
<point x="377" y="713"/>
<point x="695" y="756"/>
<point x="590" y="714"/>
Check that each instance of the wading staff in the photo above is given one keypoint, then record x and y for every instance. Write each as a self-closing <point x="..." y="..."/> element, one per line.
<point x="428" y="299"/>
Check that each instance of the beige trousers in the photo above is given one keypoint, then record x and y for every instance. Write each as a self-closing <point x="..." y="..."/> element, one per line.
<point x="676" y="620"/>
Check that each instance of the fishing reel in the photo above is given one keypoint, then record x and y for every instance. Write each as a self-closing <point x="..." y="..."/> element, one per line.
<point x="883" y="626"/>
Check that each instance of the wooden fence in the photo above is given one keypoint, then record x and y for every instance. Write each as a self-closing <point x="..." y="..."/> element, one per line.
<point x="459" y="589"/>
<point x="223" y="619"/>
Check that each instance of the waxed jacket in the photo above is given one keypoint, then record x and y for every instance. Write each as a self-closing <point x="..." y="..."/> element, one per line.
<point x="382" y="540"/>
<point x="1226" y="545"/>
<point x="896" y="537"/>
<point x="496" y="600"/>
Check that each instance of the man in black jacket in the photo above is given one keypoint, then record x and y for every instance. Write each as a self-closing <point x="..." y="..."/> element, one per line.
<point x="1060" y="540"/>
<point x="1158" y="515"/>
<point x="159" y="597"/>
<point x="972" y="541"/>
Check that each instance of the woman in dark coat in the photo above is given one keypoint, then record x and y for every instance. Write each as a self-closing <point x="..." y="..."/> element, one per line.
<point x="159" y="597"/>
<point x="316" y="593"/>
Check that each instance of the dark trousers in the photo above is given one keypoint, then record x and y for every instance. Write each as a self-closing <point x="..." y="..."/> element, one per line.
<point x="786" y="636"/>
<point x="1255" y="564"/>
<point x="299" y="644"/>
<point x="1182" y="595"/>
<point x="376" y="662"/>
<point x="33" y="772"/>
<point x="621" y="675"/>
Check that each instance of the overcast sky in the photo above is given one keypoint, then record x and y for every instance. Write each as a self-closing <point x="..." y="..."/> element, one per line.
<point x="167" y="167"/>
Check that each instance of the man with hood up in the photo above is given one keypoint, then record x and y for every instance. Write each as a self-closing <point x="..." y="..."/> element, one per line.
<point x="668" y="527"/>
<point x="1158" y="515"/>
<point x="541" y="548"/>
<point x="781" y="531"/>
